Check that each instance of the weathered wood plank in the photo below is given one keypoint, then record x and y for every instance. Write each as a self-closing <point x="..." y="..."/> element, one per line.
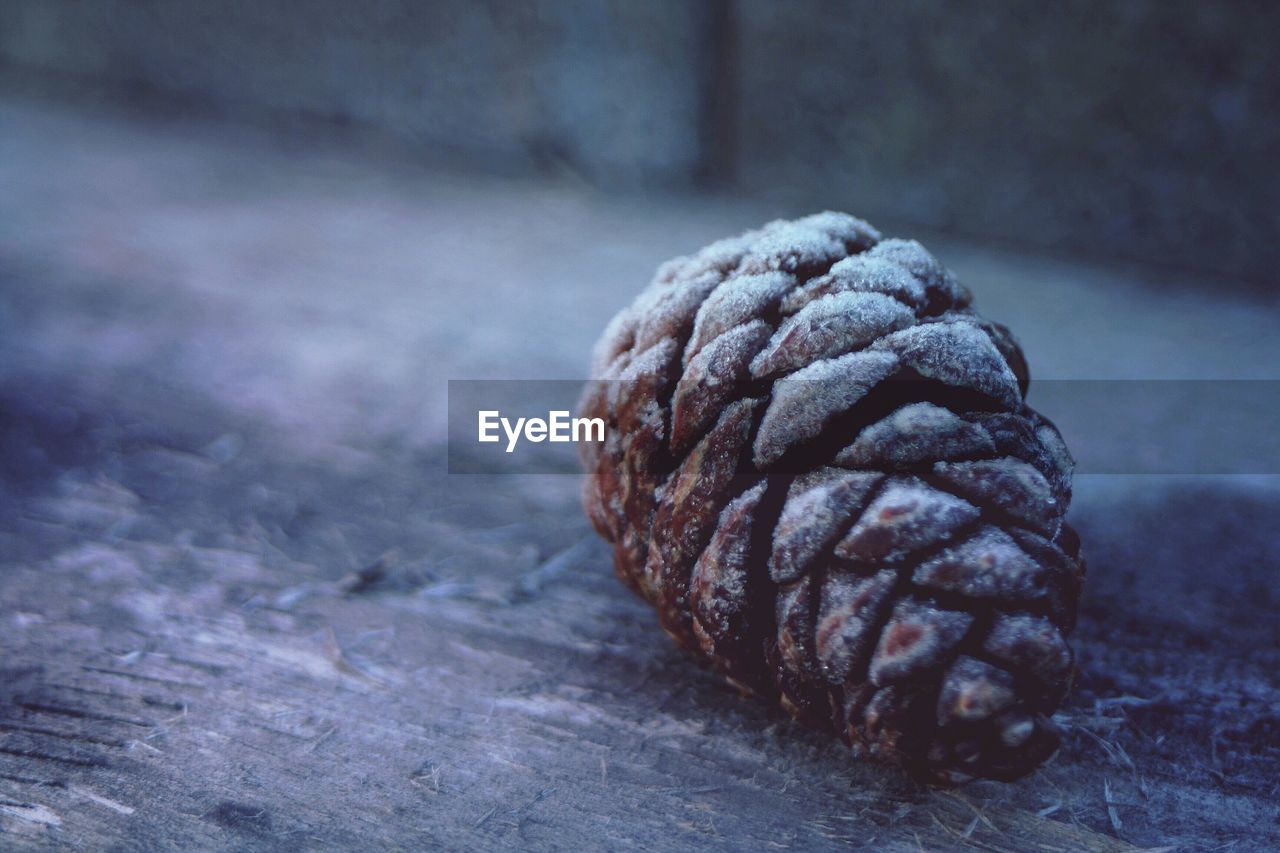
<point x="242" y="606"/>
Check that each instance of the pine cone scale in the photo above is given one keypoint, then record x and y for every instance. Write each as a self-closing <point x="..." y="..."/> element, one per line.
<point x="826" y="480"/>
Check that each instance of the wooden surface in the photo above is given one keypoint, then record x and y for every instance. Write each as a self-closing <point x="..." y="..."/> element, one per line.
<point x="243" y="606"/>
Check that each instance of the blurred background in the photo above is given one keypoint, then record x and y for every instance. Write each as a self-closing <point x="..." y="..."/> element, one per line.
<point x="1140" y="130"/>
<point x="244" y="246"/>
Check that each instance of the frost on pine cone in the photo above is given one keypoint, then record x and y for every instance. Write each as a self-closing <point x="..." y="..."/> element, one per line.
<point x="820" y="470"/>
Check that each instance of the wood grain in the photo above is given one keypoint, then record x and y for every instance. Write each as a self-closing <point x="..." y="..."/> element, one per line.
<point x="244" y="606"/>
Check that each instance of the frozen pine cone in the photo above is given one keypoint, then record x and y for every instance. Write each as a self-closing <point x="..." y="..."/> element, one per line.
<point x="820" y="469"/>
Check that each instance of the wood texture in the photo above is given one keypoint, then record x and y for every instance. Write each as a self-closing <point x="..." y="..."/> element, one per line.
<point x="242" y="605"/>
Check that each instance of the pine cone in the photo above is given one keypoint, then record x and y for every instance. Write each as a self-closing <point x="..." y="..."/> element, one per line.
<point x="820" y="469"/>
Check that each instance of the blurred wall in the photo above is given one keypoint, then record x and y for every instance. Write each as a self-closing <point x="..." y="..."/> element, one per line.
<point x="1137" y="129"/>
<point x="1146" y="129"/>
<point x="610" y="89"/>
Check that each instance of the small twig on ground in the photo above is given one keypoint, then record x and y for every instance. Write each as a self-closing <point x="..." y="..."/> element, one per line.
<point x="371" y="575"/>
<point x="427" y="775"/>
<point x="324" y="737"/>
<point x="1111" y="806"/>
<point x="1114" y="751"/>
<point x="533" y="582"/>
<point x="1122" y="702"/>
